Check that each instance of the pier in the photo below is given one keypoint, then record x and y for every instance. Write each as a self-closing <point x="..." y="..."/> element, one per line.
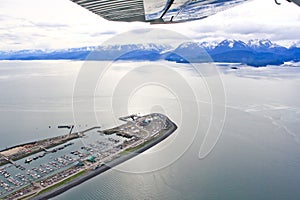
<point x="64" y="164"/>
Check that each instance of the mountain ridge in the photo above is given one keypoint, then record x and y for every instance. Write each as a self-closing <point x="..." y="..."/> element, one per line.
<point x="254" y="52"/>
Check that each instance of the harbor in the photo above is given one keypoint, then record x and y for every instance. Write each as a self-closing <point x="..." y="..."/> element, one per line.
<point x="38" y="175"/>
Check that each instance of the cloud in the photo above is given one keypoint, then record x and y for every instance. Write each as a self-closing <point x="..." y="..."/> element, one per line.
<point x="49" y="25"/>
<point x="35" y="24"/>
<point x="108" y="32"/>
<point x="253" y="19"/>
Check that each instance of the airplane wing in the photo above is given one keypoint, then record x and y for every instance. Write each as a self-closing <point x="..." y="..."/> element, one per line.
<point x="295" y="1"/>
<point x="156" y="11"/>
<point x="183" y="10"/>
<point x="159" y="11"/>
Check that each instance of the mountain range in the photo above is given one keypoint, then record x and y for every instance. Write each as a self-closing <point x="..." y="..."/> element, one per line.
<point x="253" y="53"/>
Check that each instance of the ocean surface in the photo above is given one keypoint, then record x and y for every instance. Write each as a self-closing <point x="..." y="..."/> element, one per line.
<point x="248" y="118"/>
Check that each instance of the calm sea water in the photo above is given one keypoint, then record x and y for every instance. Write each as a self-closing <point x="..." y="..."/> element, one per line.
<point x="256" y="157"/>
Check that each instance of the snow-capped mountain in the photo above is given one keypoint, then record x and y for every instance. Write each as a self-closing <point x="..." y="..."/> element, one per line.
<point x="189" y="46"/>
<point x="232" y="44"/>
<point x="209" y="45"/>
<point x="256" y="44"/>
<point x="254" y="52"/>
<point x="107" y="52"/>
<point x="295" y="45"/>
<point x="128" y="47"/>
<point x="229" y="45"/>
<point x="188" y="52"/>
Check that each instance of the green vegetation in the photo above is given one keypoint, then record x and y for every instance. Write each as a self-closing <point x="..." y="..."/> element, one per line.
<point x="4" y="162"/>
<point x="62" y="182"/>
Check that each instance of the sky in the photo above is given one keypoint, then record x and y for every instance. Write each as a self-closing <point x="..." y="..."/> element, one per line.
<point x="57" y="24"/>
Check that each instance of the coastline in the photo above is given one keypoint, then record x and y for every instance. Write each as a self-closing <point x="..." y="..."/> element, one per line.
<point x="90" y="174"/>
<point x="20" y="151"/>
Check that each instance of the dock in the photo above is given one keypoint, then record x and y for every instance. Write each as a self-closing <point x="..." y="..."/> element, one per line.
<point x="79" y="160"/>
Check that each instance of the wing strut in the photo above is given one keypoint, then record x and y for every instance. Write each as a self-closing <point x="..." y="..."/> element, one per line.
<point x="167" y="8"/>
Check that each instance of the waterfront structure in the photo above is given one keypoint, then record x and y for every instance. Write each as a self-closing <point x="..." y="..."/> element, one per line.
<point x="54" y="168"/>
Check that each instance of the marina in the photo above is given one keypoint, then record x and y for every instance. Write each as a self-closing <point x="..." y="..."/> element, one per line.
<point x="91" y="153"/>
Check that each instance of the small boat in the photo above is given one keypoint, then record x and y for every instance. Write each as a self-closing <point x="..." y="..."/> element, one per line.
<point x="28" y="160"/>
<point x="42" y="155"/>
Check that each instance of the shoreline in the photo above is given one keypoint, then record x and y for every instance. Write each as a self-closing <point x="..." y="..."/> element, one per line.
<point x="27" y="143"/>
<point x="17" y="152"/>
<point x="90" y="174"/>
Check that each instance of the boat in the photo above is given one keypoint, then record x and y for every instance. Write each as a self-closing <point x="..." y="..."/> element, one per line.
<point x="42" y="155"/>
<point x="28" y="160"/>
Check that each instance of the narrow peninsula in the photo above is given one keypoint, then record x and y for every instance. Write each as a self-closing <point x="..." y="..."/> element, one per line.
<point x="46" y="168"/>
